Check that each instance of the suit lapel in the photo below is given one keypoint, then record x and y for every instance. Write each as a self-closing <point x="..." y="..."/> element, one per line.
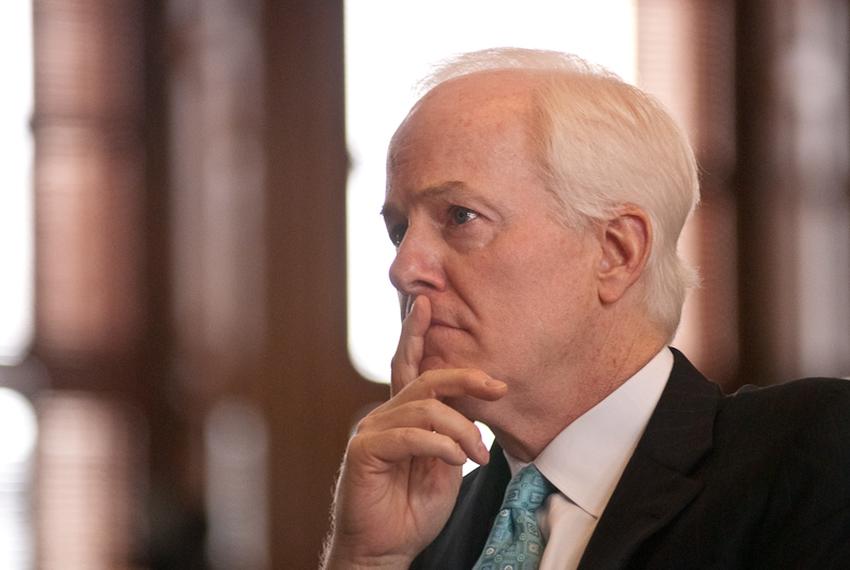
<point x="655" y="485"/>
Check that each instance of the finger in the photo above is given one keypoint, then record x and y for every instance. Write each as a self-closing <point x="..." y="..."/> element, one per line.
<point x="451" y="383"/>
<point x="431" y="415"/>
<point x="411" y="344"/>
<point x="402" y="444"/>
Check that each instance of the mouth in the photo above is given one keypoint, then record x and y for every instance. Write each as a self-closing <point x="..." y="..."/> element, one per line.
<point x="442" y="323"/>
<point x="447" y="344"/>
<point x="438" y="321"/>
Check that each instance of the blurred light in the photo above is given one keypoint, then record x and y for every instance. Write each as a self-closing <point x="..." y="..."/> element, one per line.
<point x="392" y="44"/>
<point x="236" y="498"/>
<point x="19" y="429"/>
<point x="90" y="482"/>
<point x="18" y="425"/>
<point x="16" y="257"/>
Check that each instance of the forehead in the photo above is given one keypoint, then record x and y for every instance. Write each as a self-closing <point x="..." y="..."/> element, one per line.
<point x="480" y="99"/>
<point x="465" y="127"/>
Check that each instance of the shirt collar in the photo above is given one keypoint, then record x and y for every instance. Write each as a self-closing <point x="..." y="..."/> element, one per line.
<point x="585" y="461"/>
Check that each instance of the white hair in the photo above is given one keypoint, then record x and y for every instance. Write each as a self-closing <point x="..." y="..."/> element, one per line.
<point x="604" y="144"/>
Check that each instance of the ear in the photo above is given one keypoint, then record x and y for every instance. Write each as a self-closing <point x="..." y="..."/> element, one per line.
<point x="626" y="242"/>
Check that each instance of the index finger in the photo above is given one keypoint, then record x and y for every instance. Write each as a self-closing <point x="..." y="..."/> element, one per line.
<point x="444" y="383"/>
<point x="411" y="344"/>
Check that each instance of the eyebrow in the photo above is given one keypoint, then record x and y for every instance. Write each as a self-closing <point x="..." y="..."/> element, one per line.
<point x="432" y="192"/>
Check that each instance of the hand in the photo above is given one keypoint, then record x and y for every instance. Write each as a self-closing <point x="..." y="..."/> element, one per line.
<point x="402" y="469"/>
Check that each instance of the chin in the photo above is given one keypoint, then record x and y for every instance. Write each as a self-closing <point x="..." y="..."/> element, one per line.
<point x="444" y="359"/>
<point x="434" y="362"/>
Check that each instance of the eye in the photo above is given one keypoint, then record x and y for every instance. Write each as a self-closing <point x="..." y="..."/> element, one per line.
<point x="458" y="215"/>
<point x="396" y="233"/>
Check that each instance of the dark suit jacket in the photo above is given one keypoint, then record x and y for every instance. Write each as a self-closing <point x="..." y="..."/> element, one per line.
<point x="759" y="479"/>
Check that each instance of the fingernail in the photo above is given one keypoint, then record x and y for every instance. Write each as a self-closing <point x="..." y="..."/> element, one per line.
<point x="493" y="383"/>
<point x="408" y="307"/>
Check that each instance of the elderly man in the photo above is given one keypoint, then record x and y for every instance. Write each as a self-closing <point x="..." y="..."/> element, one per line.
<point x="535" y="202"/>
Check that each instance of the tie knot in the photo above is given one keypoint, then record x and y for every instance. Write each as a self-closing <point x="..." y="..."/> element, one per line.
<point x="515" y="540"/>
<point x="527" y="490"/>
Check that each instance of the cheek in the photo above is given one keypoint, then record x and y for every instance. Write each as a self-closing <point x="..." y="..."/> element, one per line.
<point x="537" y="280"/>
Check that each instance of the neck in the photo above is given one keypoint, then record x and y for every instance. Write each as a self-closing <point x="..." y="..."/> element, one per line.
<point x="570" y="393"/>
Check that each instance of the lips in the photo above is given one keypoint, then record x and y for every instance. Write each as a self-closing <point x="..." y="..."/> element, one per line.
<point x="445" y="342"/>
<point x="442" y="323"/>
<point x="439" y="319"/>
<point x="438" y="323"/>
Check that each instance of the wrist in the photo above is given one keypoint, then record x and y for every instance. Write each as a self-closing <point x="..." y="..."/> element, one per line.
<point x="338" y="556"/>
<point x="343" y="561"/>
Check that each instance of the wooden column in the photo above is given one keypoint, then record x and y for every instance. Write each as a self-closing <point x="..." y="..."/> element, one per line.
<point x="311" y="390"/>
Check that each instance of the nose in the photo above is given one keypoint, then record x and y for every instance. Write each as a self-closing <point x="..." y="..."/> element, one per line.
<point x="418" y="266"/>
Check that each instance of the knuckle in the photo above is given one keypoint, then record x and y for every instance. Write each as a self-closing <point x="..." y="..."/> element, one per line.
<point x="362" y="425"/>
<point x="366" y="422"/>
<point x="428" y="383"/>
<point x="404" y="436"/>
<point x="425" y="408"/>
<point x="355" y="445"/>
<point x="365" y="425"/>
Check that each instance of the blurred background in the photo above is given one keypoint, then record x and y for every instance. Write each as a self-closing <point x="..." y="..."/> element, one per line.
<point x="190" y="306"/>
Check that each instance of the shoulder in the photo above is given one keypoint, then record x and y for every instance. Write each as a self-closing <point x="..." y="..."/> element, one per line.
<point x="808" y="402"/>
<point x="800" y="427"/>
<point x="795" y="439"/>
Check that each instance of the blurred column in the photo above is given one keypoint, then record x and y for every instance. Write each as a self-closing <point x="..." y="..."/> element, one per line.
<point x="216" y="88"/>
<point x="89" y="181"/>
<point x="793" y="188"/>
<point x="310" y="389"/>
<point x="218" y="175"/>
<point x="686" y="59"/>
<point x="90" y="310"/>
<point x="815" y="68"/>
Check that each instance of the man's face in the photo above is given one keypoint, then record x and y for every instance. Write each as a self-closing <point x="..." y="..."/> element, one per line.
<point x="511" y="288"/>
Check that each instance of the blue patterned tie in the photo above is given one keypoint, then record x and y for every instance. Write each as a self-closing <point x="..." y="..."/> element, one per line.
<point x="515" y="542"/>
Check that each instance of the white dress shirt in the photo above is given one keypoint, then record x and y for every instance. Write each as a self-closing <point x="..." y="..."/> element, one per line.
<point x="586" y="460"/>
